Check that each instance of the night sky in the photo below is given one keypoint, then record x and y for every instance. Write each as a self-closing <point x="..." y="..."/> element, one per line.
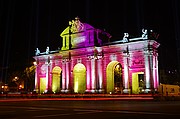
<point x="28" y="24"/>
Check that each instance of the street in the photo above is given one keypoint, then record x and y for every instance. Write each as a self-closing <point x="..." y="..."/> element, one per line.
<point x="106" y="109"/>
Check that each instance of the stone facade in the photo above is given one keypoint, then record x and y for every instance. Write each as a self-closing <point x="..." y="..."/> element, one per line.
<point x="89" y="63"/>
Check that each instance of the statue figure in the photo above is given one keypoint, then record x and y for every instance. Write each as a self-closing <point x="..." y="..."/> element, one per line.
<point x="145" y="34"/>
<point x="37" y="51"/>
<point x="47" y="50"/>
<point x="125" y="38"/>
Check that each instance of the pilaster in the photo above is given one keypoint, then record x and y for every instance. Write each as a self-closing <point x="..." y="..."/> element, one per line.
<point x="126" y="72"/>
<point x="88" y="75"/>
<point x="100" y="74"/>
<point x="63" y="75"/>
<point x="67" y="75"/>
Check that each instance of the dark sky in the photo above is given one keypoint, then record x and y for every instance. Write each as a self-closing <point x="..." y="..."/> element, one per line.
<point x="28" y="24"/>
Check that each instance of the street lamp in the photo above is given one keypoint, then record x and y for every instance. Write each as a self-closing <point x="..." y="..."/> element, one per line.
<point x="15" y="78"/>
<point x="35" y="63"/>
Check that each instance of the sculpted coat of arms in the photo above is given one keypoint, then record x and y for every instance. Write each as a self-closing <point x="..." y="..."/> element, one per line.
<point x="76" y="25"/>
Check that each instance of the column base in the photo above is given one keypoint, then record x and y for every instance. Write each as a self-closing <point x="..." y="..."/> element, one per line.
<point x="147" y="91"/>
<point x="66" y="91"/>
<point x="46" y="91"/>
<point x="36" y="90"/>
<point x="127" y="91"/>
<point x="101" y="90"/>
<point x="63" y="91"/>
<point x="88" y="91"/>
<point x="93" y="91"/>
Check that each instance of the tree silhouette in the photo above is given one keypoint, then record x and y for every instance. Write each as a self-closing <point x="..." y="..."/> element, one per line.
<point x="30" y="77"/>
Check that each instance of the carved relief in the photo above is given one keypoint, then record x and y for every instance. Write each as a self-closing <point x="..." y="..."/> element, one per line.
<point x="137" y="61"/>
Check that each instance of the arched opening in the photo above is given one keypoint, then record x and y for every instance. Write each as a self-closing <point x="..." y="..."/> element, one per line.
<point x="114" y="77"/>
<point x="118" y="84"/>
<point x="56" y="79"/>
<point x="79" y="73"/>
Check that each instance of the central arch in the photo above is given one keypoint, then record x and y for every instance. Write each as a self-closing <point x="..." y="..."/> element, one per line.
<point x="79" y="73"/>
<point x="114" y="77"/>
<point x="56" y="79"/>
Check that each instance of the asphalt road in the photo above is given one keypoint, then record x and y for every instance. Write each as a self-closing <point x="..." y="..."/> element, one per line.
<point x="59" y="109"/>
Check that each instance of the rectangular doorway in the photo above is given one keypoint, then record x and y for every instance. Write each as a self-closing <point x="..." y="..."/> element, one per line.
<point x="137" y="82"/>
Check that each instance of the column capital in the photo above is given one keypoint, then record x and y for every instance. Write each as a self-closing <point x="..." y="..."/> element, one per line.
<point x="126" y="55"/>
<point x="90" y="57"/>
<point x="65" y="60"/>
<point x="79" y="60"/>
<point x="148" y="52"/>
<point x="98" y="56"/>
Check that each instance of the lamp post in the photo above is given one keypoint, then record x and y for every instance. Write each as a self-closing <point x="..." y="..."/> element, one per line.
<point x="35" y="63"/>
<point x="15" y="79"/>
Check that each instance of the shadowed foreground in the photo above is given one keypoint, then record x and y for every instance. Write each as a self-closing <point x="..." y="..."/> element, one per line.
<point x="88" y="109"/>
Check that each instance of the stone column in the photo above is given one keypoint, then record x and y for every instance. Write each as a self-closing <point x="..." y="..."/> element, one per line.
<point x="126" y="73"/>
<point x="50" y="76"/>
<point x="67" y="75"/>
<point x="155" y="72"/>
<point x="38" y="77"/>
<point x="100" y="74"/>
<point x="63" y="75"/>
<point x="71" y="78"/>
<point x="148" y="70"/>
<point x="64" y="45"/>
<point x="151" y="70"/>
<point x="93" y="75"/>
<point x="47" y="75"/>
<point x="88" y="75"/>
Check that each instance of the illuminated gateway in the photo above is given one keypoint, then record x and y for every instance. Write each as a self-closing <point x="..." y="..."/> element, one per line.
<point x="89" y="63"/>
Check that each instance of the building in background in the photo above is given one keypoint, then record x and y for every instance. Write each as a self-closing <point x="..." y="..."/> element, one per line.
<point x="89" y="63"/>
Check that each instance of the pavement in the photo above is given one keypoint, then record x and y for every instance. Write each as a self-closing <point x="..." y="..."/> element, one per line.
<point x="29" y="97"/>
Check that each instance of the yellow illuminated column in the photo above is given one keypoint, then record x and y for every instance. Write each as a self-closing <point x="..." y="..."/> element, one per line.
<point x="126" y="73"/>
<point x="63" y="43"/>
